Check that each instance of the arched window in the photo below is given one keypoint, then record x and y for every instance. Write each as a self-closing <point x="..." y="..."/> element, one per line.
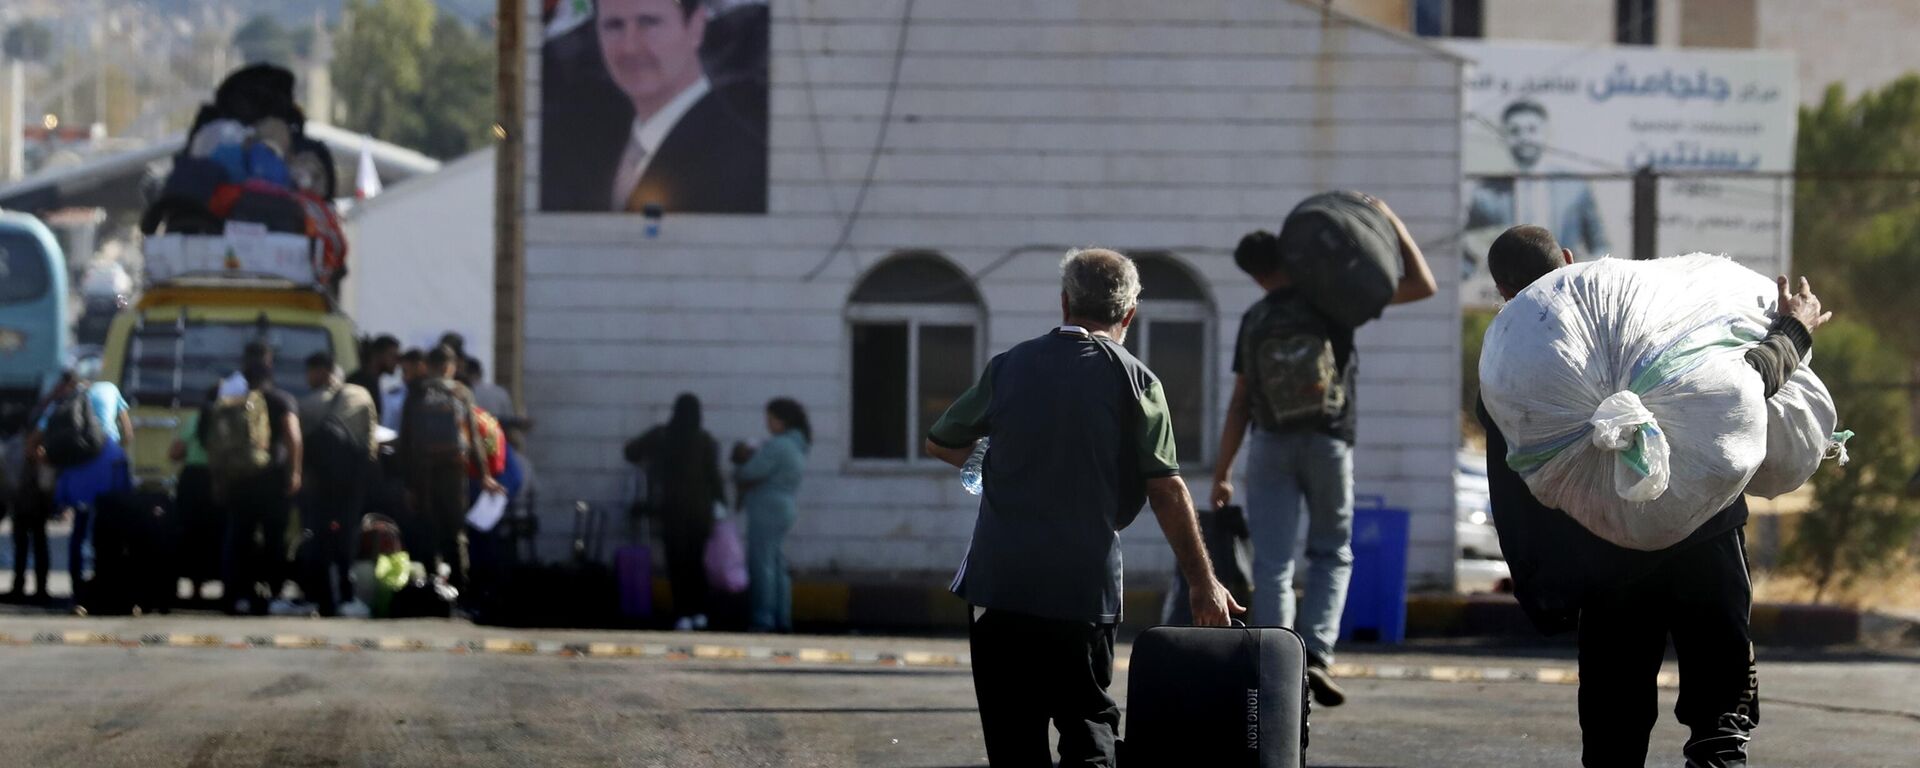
<point x="1173" y="335"/>
<point x="914" y="322"/>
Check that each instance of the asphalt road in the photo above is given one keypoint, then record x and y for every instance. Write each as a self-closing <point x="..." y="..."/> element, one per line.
<point x="224" y="706"/>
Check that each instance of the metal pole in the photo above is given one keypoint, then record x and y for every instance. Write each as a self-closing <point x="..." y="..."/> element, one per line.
<point x="509" y="266"/>
<point x="1646" y="213"/>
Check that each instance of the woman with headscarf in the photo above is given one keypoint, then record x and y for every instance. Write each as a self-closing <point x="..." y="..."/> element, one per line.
<point x="681" y="463"/>
<point x="769" y="479"/>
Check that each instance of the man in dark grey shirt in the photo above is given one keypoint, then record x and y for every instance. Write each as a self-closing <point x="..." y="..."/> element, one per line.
<point x="1080" y="440"/>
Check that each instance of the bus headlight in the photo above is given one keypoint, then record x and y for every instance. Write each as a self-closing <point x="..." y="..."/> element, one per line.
<point x="11" y="340"/>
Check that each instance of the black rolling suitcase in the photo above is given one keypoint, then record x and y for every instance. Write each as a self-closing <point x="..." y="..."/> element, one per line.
<point x="135" y="535"/>
<point x="1216" y="696"/>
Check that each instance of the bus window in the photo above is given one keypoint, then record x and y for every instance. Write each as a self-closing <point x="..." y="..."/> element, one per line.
<point x="23" y="268"/>
<point x="175" y="364"/>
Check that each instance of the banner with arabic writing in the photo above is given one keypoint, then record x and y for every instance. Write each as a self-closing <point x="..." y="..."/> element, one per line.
<point x="1571" y="121"/>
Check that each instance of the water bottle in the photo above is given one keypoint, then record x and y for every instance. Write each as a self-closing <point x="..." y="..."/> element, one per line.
<point x="972" y="475"/>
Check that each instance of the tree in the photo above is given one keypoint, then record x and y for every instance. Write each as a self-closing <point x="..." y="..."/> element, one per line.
<point x="1861" y="517"/>
<point x="412" y="77"/>
<point x="262" y="39"/>
<point x="459" y="105"/>
<point x="1853" y="236"/>
<point x="1473" y="331"/>
<point x="28" y="41"/>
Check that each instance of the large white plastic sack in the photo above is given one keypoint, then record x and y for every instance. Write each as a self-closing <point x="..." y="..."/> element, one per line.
<point x="1625" y="399"/>
<point x="1801" y="417"/>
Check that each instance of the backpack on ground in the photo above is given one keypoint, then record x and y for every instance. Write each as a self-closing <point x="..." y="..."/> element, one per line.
<point x="436" y="422"/>
<point x="238" y="437"/>
<point x="1291" y="367"/>
<point x="74" y="435"/>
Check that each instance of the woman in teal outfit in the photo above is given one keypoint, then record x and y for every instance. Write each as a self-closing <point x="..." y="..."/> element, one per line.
<point x="769" y="479"/>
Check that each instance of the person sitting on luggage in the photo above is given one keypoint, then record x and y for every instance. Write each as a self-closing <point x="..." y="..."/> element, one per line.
<point x="338" y="420"/>
<point x="437" y="443"/>
<point x="681" y="466"/>
<point x="1081" y="438"/>
<point x="87" y="434"/>
<point x="1301" y="411"/>
<point x="1626" y="603"/>
<point x="255" y="454"/>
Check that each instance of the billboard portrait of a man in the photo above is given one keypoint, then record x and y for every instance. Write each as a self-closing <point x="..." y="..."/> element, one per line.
<point x="654" y="103"/>
<point x="1564" y="205"/>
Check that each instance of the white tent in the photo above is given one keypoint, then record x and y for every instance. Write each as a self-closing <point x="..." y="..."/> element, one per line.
<point x="421" y="258"/>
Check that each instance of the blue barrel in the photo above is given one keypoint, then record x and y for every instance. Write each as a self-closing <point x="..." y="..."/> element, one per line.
<point x="1377" y="596"/>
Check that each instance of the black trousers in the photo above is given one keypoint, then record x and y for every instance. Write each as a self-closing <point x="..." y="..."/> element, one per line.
<point x="29" y="508"/>
<point x="439" y="494"/>
<point x="1702" y="598"/>
<point x="1028" y="671"/>
<point x="685" y="538"/>
<point x="203" y="526"/>
<point x="331" y="508"/>
<point x="256" y="512"/>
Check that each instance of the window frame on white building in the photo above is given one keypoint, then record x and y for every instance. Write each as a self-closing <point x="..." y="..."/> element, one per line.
<point x="1191" y="303"/>
<point x="915" y="317"/>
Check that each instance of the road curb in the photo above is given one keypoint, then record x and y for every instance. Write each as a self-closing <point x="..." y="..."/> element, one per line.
<point x="719" y="652"/>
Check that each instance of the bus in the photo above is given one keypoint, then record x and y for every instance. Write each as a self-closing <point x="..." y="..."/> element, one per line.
<point x="33" y="316"/>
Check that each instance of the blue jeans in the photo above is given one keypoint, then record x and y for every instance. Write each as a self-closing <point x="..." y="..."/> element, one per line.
<point x="1282" y="472"/>
<point x="769" y="586"/>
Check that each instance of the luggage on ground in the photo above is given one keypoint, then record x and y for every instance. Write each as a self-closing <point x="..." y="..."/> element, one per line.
<point x="74" y="435"/>
<point x="1344" y="254"/>
<point x="579" y="592"/>
<point x="134" y="538"/>
<point x="1216" y="696"/>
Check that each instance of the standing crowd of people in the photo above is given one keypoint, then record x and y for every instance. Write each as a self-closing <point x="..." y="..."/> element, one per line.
<point x="272" y="489"/>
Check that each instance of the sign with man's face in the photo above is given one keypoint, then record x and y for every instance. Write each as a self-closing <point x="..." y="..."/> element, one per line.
<point x="654" y="107"/>
<point x="1556" y="112"/>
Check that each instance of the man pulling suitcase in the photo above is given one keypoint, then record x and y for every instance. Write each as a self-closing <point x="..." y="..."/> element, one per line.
<point x="1081" y="439"/>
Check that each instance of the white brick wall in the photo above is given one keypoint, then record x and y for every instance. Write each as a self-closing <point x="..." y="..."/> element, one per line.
<point x="1136" y="124"/>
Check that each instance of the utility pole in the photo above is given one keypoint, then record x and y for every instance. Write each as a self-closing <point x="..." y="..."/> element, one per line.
<point x="1646" y="213"/>
<point x="509" y="247"/>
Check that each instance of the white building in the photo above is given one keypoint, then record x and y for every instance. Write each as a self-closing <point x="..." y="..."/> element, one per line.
<point x="1018" y="129"/>
<point x="422" y="258"/>
<point x="1859" y="44"/>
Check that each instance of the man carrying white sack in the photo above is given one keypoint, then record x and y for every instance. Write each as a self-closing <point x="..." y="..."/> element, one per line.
<point x="1626" y="603"/>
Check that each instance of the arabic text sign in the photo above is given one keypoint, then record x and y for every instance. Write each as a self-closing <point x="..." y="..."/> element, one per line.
<point x="1705" y="116"/>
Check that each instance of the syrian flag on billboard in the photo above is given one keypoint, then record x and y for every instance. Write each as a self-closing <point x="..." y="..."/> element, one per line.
<point x="366" y="178"/>
<point x="564" y="16"/>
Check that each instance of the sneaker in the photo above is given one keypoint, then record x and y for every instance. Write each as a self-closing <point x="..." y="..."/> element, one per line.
<point x="1326" y="692"/>
<point x="699" y="621"/>
<point x="355" y="610"/>
<point x="285" y="607"/>
<point x="685" y="624"/>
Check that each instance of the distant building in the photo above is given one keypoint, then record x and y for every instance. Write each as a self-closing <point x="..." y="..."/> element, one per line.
<point x="1861" y="44"/>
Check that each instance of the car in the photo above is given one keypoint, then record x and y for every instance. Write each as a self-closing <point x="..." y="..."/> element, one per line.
<point x="1479" y="565"/>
